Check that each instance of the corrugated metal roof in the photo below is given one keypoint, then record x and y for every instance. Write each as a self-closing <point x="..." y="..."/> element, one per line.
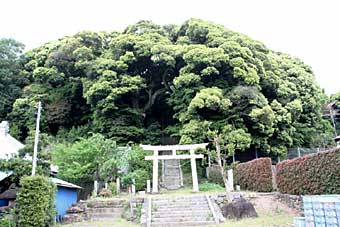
<point x="63" y="183"/>
<point x="4" y="175"/>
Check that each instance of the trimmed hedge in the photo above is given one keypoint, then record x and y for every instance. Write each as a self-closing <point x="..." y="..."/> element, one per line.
<point x="255" y="175"/>
<point x="35" y="202"/>
<point x="311" y="174"/>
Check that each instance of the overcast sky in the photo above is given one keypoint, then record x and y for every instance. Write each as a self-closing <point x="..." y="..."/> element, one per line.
<point x="308" y="29"/>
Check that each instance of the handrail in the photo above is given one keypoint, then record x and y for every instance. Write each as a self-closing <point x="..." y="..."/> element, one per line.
<point x="148" y="223"/>
<point x="212" y="210"/>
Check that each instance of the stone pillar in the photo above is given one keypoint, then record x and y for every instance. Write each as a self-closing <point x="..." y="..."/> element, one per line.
<point x="133" y="187"/>
<point x="95" y="187"/>
<point x="148" y="186"/>
<point x="155" y="173"/>
<point x="163" y="171"/>
<point x="194" y="172"/>
<point x="118" y="185"/>
<point x="230" y="180"/>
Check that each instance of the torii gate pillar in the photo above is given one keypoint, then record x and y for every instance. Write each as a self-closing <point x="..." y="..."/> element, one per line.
<point x="155" y="173"/>
<point x="194" y="172"/>
<point x="192" y="156"/>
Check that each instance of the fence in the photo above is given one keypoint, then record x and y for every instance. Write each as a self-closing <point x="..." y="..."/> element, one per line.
<point x="300" y="151"/>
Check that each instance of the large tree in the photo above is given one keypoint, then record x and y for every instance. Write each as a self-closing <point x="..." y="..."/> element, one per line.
<point x="11" y="81"/>
<point x="179" y="81"/>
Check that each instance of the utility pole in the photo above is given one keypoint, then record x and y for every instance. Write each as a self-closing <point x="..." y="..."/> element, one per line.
<point x="331" y="112"/>
<point x="36" y="141"/>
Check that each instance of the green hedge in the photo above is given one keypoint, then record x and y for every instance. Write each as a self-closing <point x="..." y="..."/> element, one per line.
<point x="35" y="202"/>
<point x="255" y="175"/>
<point x="311" y="174"/>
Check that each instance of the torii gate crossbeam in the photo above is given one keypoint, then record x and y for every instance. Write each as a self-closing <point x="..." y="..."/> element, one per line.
<point x="192" y="156"/>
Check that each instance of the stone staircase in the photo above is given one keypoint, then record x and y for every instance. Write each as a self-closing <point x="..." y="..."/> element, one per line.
<point x="182" y="211"/>
<point x="172" y="174"/>
<point x="105" y="210"/>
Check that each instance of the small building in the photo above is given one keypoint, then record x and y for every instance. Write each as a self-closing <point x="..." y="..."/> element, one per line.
<point x="6" y="197"/>
<point x="9" y="146"/>
<point x="67" y="194"/>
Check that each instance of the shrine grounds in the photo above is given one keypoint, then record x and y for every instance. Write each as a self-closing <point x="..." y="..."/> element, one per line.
<point x="270" y="211"/>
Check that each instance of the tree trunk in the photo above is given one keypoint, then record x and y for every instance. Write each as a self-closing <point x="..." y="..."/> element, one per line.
<point x="219" y="162"/>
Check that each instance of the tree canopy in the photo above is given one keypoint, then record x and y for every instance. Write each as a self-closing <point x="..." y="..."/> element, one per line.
<point x="152" y="83"/>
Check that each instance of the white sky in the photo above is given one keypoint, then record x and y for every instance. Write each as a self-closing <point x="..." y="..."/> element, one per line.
<point x="309" y="29"/>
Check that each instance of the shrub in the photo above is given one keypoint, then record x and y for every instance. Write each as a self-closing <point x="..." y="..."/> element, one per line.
<point x="255" y="175"/>
<point x="140" y="176"/>
<point x="113" y="188"/>
<point x="35" y="202"/>
<point x="215" y="175"/>
<point x="311" y="174"/>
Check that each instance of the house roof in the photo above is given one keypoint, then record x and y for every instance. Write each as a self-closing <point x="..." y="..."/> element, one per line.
<point x="9" y="145"/>
<point x="63" y="183"/>
<point x="4" y="175"/>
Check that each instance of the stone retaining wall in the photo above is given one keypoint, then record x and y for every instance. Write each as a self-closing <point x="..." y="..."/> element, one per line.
<point x="292" y="201"/>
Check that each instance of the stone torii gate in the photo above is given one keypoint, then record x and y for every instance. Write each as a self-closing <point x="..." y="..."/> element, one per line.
<point x="185" y="147"/>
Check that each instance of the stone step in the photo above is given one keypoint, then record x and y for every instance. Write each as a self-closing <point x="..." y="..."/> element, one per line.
<point x="170" y="210"/>
<point x="180" y="213"/>
<point x="176" y="200"/>
<point x="206" y="217"/>
<point x="181" y="203"/>
<point x="105" y="210"/>
<point x="179" y="224"/>
<point x="172" y="176"/>
<point x="100" y="216"/>
<point x="108" y="204"/>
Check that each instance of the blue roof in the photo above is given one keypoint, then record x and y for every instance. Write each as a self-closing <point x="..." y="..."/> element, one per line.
<point x="4" y="175"/>
<point x="63" y="183"/>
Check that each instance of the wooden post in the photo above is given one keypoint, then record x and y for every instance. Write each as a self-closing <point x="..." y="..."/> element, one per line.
<point x="155" y="173"/>
<point x="194" y="172"/>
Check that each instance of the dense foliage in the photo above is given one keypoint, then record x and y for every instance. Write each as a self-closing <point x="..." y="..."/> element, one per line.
<point x="313" y="174"/>
<point x="35" y="202"/>
<point x="137" y="169"/>
<point x="89" y="159"/>
<point x="11" y="80"/>
<point x="255" y="175"/>
<point x="150" y="84"/>
<point x="335" y="107"/>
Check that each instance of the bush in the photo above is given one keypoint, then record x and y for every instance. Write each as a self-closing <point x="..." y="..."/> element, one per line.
<point x="215" y="175"/>
<point x="140" y="176"/>
<point x="35" y="202"/>
<point x="311" y="174"/>
<point x="6" y="222"/>
<point x="113" y="188"/>
<point x="255" y="175"/>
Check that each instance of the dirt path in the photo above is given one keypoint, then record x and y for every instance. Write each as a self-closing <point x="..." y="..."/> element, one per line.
<point x="268" y="203"/>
